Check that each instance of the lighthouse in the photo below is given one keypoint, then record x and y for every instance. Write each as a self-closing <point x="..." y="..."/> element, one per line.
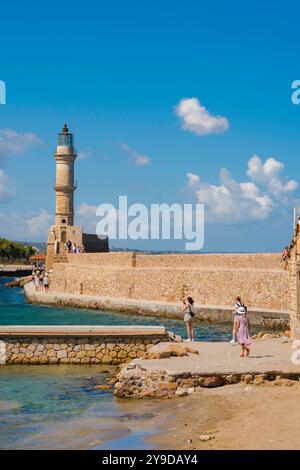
<point x="64" y="229"/>
<point x="64" y="184"/>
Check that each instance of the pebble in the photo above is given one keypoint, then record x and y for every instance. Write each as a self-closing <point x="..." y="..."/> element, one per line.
<point x="206" y="437"/>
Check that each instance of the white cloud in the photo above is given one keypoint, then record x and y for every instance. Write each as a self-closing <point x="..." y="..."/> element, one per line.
<point x="31" y="226"/>
<point x="83" y="155"/>
<point x="269" y="174"/>
<point x="196" y="118"/>
<point x="253" y="200"/>
<point x="13" y="143"/>
<point x="136" y="158"/>
<point x="16" y="143"/>
<point x="39" y="222"/>
<point x="86" y="216"/>
<point x="86" y="210"/>
<point x="7" y="189"/>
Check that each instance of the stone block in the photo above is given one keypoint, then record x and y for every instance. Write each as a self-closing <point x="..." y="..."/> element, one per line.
<point x="64" y="360"/>
<point x="85" y="360"/>
<point x="62" y="354"/>
<point x="106" y="360"/>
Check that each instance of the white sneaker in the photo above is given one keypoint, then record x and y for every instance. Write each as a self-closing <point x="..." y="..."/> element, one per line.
<point x="232" y="341"/>
<point x="187" y="340"/>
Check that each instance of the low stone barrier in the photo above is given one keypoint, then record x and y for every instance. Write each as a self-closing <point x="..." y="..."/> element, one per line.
<point x="268" y="323"/>
<point x="77" y="344"/>
<point x="134" y="381"/>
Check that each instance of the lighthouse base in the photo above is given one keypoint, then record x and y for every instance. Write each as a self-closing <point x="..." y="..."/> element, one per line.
<point x="60" y="235"/>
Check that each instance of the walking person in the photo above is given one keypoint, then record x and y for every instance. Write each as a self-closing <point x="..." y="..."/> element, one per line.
<point x="36" y="282"/>
<point x="69" y="246"/>
<point x="285" y="257"/>
<point x="46" y="281"/>
<point x="41" y="283"/>
<point x="238" y="304"/>
<point x="243" y="332"/>
<point x="189" y="309"/>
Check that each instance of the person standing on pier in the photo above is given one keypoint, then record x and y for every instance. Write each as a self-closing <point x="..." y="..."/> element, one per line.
<point x="242" y="332"/>
<point x="238" y="304"/>
<point x="189" y="309"/>
<point x="46" y="281"/>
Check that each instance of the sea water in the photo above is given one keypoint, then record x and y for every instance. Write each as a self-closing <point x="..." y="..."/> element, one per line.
<point x="58" y="406"/>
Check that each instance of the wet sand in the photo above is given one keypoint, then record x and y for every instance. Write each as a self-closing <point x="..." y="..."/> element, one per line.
<point x="238" y="417"/>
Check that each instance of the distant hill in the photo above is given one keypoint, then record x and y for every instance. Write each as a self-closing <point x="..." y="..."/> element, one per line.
<point x="41" y="246"/>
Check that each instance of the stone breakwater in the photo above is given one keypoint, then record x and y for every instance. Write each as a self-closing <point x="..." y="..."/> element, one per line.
<point x="74" y="350"/>
<point x="136" y="382"/>
<point x="77" y="344"/>
<point x="212" y="279"/>
<point x="269" y="319"/>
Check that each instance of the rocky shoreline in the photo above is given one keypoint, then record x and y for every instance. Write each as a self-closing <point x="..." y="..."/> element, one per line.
<point x="18" y="282"/>
<point x="136" y="382"/>
<point x="166" y="378"/>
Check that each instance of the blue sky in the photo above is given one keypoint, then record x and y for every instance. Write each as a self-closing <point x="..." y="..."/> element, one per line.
<point x="115" y="72"/>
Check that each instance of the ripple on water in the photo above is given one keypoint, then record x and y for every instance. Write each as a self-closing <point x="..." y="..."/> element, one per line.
<point x="9" y="406"/>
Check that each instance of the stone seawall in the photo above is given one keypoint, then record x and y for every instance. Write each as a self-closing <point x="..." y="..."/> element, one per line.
<point x="211" y="279"/>
<point x="76" y="345"/>
<point x="266" y="318"/>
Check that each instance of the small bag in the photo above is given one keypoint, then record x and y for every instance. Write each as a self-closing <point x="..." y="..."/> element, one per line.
<point x="191" y="312"/>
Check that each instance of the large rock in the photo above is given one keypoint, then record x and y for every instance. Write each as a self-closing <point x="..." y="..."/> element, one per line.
<point x="212" y="381"/>
<point x="165" y="350"/>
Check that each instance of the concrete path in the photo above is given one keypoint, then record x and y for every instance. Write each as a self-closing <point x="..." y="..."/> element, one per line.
<point x="83" y="330"/>
<point x="223" y="358"/>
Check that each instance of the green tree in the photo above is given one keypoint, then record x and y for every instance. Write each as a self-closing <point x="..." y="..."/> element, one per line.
<point x="12" y="251"/>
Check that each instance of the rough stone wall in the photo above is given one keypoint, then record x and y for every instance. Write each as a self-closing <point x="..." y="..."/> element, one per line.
<point x="102" y="259"/>
<point x="133" y="381"/>
<point x="72" y="350"/>
<point x="210" y="279"/>
<point x="262" y="261"/>
<point x="294" y="287"/>
<point x="211" y="261"/>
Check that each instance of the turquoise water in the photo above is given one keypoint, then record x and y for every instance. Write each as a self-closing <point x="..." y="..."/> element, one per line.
<point x="58" y="407"/>
<point x="15" y="311"/>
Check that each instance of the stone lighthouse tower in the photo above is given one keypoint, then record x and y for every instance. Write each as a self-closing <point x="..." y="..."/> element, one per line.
<point x="64" y="184"/>
<point x="64" y="229"/>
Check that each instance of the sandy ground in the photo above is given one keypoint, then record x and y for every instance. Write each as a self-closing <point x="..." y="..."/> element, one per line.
<point x="239" y="417"/>
<point x="223" y="358"/>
